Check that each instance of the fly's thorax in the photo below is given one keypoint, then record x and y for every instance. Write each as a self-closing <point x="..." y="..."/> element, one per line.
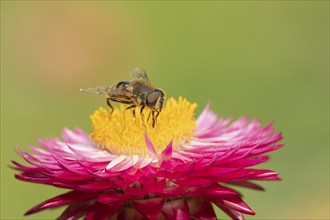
<point x="122" y="89"/>
<point x="140" y="91"/>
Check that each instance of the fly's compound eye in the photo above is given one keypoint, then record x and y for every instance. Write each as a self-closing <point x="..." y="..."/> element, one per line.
<point x="156" y="99"/>
<point x="152" y="98"/>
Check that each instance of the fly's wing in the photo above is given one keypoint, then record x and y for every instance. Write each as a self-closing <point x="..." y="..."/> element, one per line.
<point x="140" y="74"/>
<point x="97" y="90"/>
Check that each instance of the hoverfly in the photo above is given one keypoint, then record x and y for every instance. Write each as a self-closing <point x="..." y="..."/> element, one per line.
<point x="137" y="92"/>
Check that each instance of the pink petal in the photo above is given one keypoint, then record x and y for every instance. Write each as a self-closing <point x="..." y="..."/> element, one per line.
<point x="124" y="165"/>
<point x="90" y="153"/>
<point x="136" y="192"/>
<point x="172" y="192"/>
<point x="64" y="199"/>
<point x="149" y="208"/>
<point x="247" y="184"/>
<point x="211" y="191"/>
<point x="206" y="118"/>
<point x="112" y="197"/>
<point x="149" y="144"/>
<point x="103" y="211"/>
<point x="233" y="202"/>
<point x="116" y="161"/>
<point x="155" y="186"/>
<point x="74" y="211"/>
<point x="193" y="181"/>
<point x="235" y="215"/>
<point x="176" y="209"/>
<point x="100" y="185"/>
<point x="145" y="162"/>
<point x="77" y="136"/>
<point x="130" y="214"/>
<point x="201" y="209"/>
<point x="167" y="152"/>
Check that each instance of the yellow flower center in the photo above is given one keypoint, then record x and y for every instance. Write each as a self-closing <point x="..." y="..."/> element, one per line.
<point x="122" y="133"/>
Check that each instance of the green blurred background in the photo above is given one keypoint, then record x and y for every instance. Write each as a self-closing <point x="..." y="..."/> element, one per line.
<point x="265" y="59"/>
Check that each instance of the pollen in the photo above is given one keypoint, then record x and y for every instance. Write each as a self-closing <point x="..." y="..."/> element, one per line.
<point x="122" y="132"/>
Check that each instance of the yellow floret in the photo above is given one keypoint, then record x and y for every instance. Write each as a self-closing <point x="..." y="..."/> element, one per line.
<point x="122" y="133"/>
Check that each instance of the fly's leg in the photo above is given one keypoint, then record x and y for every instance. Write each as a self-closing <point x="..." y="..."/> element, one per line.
<point x="153" y="119"/>
<point x="116" y="100"/>
<point x="130" y="107"/>
<point x="156" y="116"/>
<point x="141" y="110"/>
<point x="141" y="115"/>
<point x="120" y="100"/>
<point x="109" y="104"/>
<point x="148" y="117"/>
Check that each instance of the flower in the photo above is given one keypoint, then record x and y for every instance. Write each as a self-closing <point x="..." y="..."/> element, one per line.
<point x="127" y="169"/>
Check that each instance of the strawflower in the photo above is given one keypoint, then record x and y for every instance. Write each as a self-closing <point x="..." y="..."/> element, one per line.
<point x="127" y="169"/>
